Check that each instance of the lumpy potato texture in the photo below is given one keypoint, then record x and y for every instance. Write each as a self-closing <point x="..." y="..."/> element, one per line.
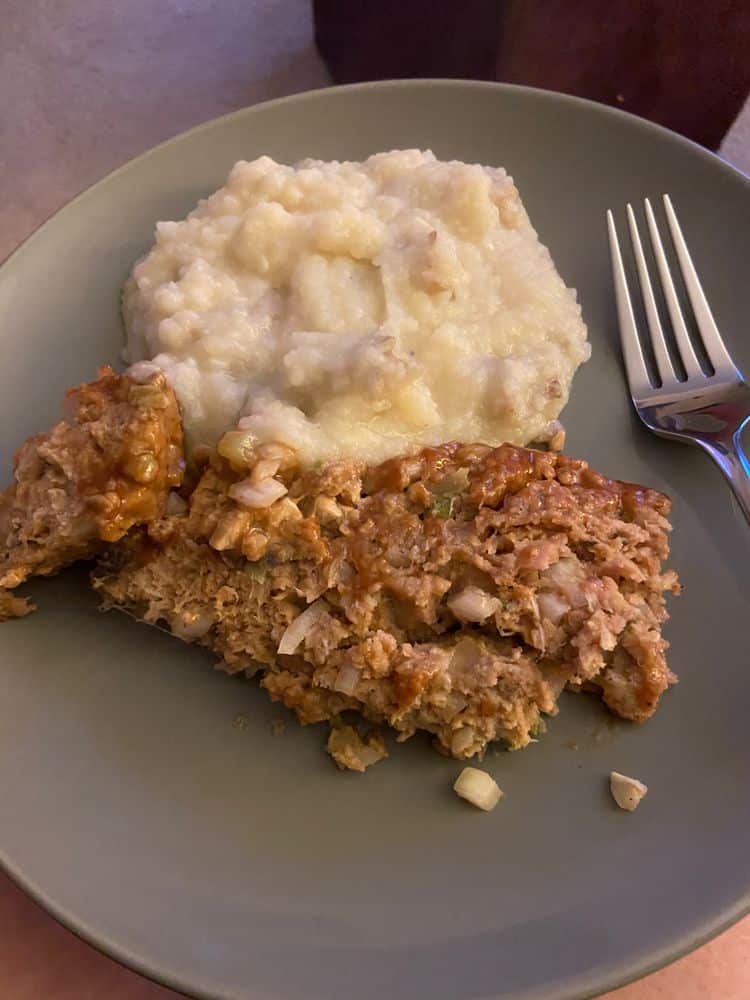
<point x="358" y="309"/>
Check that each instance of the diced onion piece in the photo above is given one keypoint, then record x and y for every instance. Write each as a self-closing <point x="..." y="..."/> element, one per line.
<point x="280" y="453"/>
<point x="288" y="509"/>
<point x="452" y="484"/>
<point x="250" y="494"/>
<point x="461" y="740"/>
<point x="537" y="555"/>
<point x="229" y="530"/>
<point x="299" y="628"/>
<point x="264" y="468"/>
<point x="347" y="679"/>
<point x="455" y="703"/>
<point x="327" y="510"/>
<point x="552" y="606"/>
<point x="473" y="604"/>
<point x="627" y="792"/>
<point x="191" y="625"/>
<point x="466" y="655"/>
<point x="567" y="576"/>
<point x="478" y="787"/>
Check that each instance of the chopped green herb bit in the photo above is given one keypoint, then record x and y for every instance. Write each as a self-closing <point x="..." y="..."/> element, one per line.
<point x="443" y="507"/>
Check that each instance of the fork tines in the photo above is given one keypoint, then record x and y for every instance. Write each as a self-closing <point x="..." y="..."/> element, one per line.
<point x="721" y="363"/>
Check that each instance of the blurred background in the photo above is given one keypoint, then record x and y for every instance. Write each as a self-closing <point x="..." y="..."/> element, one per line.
<point x="682" y="63"/>
<point x="88" y="84"/>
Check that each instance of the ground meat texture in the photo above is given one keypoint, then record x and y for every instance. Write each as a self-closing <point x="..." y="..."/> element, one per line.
<point x="92" y="477"/>
<point x="459" y="590"/>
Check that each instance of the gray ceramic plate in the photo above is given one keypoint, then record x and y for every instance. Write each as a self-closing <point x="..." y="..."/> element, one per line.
<point x="232" y="863"/>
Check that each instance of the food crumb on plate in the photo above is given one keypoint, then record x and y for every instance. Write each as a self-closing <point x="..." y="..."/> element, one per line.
<point x="627" y="792"/>
<point x="278" y="727"/>
<point x="478" y="788"/>
<point x="351" y="751"/>
<point x="14" y="607"/>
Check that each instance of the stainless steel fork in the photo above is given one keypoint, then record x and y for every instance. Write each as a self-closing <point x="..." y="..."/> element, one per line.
<point x="707" y="408"/>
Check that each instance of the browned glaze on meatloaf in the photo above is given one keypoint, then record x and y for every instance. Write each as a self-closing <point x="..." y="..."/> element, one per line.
<point x="90" y="478"/>
<point x="458" y="590"/>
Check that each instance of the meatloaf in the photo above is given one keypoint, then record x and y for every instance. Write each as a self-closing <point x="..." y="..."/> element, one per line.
<point x="89" y="479"/>
<point x="458" y="590"/>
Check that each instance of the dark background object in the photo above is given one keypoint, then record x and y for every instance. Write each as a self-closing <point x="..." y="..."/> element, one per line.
<point x="389" y="39"/>
<point x="682" y="63"/>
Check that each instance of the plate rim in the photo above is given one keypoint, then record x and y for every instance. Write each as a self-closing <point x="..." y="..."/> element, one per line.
<point x="664" y="956"/>
<point x="577" y="988"/>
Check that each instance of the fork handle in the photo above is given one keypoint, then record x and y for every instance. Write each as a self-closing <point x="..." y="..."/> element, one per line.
<point x="729" y="455"/>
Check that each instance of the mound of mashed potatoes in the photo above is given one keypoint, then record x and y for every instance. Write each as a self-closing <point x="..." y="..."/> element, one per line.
<point x="358" y="309"/>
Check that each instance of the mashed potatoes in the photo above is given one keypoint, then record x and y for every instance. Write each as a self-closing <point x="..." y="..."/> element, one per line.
<point x="358" y="309"/>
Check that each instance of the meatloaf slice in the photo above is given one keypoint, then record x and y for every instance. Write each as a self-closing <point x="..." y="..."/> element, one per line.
<point x="458" y="590"/>
<point x="90" y="478"/>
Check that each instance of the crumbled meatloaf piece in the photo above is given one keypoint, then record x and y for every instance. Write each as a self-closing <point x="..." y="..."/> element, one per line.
<point x="458" y="590"/>
<point x="13" y="607"/>
<point x="351" y="751"/>
<point x="92" y="477"/>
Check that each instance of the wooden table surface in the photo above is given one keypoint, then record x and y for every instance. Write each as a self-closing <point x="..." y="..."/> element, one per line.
<point x="86" y="85"/>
